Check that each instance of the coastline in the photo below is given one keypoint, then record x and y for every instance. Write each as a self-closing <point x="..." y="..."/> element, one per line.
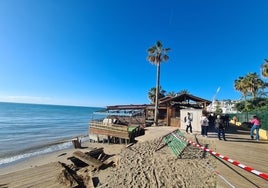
<point x="56" y="156"/>
<point x="63" y="154"/>
<point x="44" y="149"/>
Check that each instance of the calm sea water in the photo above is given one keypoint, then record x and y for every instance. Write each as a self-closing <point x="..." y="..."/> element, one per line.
<point x="28" y="130"/>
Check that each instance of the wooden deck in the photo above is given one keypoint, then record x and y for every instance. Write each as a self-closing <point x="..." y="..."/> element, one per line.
<point x="113" y="130"/>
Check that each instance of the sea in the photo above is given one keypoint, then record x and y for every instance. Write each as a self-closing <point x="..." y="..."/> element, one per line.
<point x="28" y="130"/>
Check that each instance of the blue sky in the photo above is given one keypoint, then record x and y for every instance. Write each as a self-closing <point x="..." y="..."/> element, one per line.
<point x="93" y="53"/>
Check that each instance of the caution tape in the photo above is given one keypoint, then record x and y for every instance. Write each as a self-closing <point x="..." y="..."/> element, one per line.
<point x="236" y="163"/>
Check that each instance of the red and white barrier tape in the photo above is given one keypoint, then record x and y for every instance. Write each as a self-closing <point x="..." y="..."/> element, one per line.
<point x="247" y="168"/>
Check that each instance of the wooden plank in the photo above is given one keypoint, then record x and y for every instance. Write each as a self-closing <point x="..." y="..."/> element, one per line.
<point x="90" y="183"/>
<point x="96" y="151"/>
<point x="111" y="127"/>
<point x="70" y="176"/>
<point x="109" y="132"/>
<point x="88" y="159"/>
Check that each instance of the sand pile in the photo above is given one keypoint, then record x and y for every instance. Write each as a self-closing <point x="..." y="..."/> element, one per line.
<point x="141" y="166"/>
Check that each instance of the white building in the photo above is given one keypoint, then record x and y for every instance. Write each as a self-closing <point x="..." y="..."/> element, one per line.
<point x="227" y="106"/>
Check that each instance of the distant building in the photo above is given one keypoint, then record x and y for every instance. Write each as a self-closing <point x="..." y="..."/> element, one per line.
<point x="227" y="106"/>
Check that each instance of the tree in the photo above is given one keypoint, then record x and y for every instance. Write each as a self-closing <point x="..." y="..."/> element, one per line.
<point x="152" y="94"/>
<point x="171" y="94"/>
<point x="253" y="84"/>
<point x="262" y="93"/>
<point x="264" y="68"/>
<point x="249" y="85"/>
<point x="184" y="91"/>
<point x="240" y="85"/>
<point x="252" y="105"/>
<point x="156" y="55"/>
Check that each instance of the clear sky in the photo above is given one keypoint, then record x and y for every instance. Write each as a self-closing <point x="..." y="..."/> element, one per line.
<point x="93" y="52"/>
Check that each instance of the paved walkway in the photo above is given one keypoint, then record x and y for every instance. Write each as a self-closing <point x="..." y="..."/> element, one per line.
<point x="241" y="148"/>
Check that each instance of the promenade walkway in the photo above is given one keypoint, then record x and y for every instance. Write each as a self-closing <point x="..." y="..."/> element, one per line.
<point x="241" y="148"/>
<point x="238" y="147"/>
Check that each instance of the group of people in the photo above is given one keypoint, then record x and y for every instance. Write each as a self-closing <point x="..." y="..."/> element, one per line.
<point x="204" y="123"/>
<point x="220" y="124"/>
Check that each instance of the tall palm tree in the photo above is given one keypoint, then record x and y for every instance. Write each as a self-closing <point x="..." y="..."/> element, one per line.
<point x="156" y="55"/>
<point x="264" y="68"/>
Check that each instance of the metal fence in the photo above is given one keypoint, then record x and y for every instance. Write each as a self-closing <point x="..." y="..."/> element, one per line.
<point x="246" y="116"/>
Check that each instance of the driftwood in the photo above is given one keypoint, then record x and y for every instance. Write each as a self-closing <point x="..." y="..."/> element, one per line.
<point x="81" y="176"/>
<point x="91" y="161"/>
<point x="87" y="177"/>
<point x="95" y="152"/>
<point x="69" y="177"/>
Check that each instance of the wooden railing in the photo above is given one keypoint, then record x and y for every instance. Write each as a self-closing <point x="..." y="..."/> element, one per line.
<point x="114" y="130"/>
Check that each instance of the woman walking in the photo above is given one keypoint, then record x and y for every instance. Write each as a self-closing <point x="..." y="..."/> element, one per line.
<point x="256" y="126"/>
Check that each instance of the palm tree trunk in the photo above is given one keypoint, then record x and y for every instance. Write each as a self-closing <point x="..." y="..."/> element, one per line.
<point x="157" y="95"/>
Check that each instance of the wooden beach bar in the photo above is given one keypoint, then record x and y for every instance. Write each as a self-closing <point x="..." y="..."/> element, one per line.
<point x="122" y="123"/>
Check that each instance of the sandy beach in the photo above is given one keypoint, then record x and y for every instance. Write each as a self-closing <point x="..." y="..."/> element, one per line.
<point x="139" y="165"/>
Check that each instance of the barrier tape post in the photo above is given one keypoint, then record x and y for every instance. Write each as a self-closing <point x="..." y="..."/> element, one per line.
<point x="236" y="163"/>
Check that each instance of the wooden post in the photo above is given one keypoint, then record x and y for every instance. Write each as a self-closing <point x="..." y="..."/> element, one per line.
<point x="76" y="143"/>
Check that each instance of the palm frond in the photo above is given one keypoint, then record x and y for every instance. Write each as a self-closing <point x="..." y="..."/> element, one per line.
<point x="159" y="44"/>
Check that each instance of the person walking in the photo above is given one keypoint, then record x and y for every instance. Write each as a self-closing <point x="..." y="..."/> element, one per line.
<point x="204" y="125"/>
<point x="256" y="126"/>
<point x="220" y="127"/>
<point x="188" y="122"/>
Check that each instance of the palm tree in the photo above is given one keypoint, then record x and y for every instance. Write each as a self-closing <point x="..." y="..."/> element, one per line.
<point x="241" y="86"/>
<point x="254" y="84"/>
<point x="152" y="94"/>
<point x="264" y="68"/>
<point x="171" y="94"/>
<point x="156" y="55"/>
<point x="184" y="91"/>
<point x="250" y="85"/>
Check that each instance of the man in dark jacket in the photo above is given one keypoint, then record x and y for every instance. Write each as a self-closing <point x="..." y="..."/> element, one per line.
<point x="220" y="127"/>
